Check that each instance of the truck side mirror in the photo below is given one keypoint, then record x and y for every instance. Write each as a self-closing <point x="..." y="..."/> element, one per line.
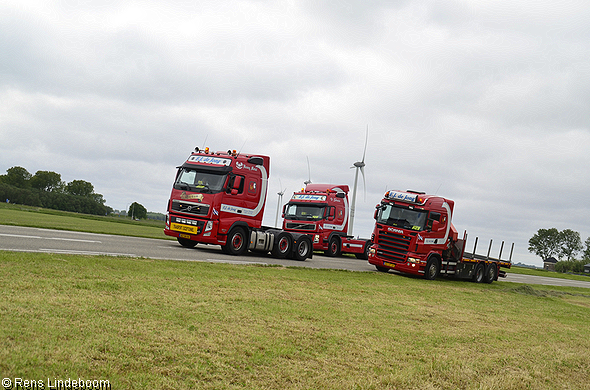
<point x="236" y="185"/>
<point x="332" y="213"/>
<point x="435" y="225"/>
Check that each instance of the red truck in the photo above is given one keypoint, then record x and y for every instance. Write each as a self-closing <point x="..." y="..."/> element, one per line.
<point x="414" y="235"/>
<point x="219" y="199"/>
<point x="322" y="211"/>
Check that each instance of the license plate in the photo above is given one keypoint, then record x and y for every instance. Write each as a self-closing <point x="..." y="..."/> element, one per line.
<point x="388" y="264"/>
<point x="184" y="228"/>
<point x="187" y="236"/>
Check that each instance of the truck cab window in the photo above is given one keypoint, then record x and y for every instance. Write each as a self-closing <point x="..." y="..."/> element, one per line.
<point x="197" y="181"/>
<point x="402" y="217"/>
<point x="304" y="212"/>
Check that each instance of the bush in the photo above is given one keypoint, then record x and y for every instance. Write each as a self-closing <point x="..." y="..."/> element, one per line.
<point x="573" y="266"/>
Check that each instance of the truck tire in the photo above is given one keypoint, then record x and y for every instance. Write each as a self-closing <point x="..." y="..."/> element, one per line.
<point x="302" y="249"/>
<point x="236" y="244"/>
<point x="185" y="242"/>
<point x="491" y="273"/>
<point x="432" y="269"/>
<point x="334" y="247"/>
<point x="479" y="273"/>
<point x="382" y="269"/>
<point x="283" y="246"/>
<point x="365" y="254"/>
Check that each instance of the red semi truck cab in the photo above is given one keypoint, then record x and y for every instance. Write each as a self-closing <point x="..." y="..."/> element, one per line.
<point x="215" y="192"/>
<point x="322" y="211"/>
<point x="414" y="234"/>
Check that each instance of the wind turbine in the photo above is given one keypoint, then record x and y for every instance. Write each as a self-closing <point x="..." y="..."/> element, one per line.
<point x="359" y="166"/>
<point x="280" y="200"/>
<point x="308" y="181"/>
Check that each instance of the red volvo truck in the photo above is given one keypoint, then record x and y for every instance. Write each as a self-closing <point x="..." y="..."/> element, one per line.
<point x="219" y="199"/>
<point x="414" y="234"/>
<point x="322" y="211"/>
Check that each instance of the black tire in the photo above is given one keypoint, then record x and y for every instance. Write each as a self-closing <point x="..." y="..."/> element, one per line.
<point x="365" y="254"/>
<point x="491" y="273"/>
<point x="185" y="242"/>
<point x="479" y="273"/>
<point x="302" y="249"/>
<point x="432" y="269"/>
<point x="334" y="247"/>
<point x="382" y="269"/>
<point x="283" y="246"/>
<point x="237" y="243"/>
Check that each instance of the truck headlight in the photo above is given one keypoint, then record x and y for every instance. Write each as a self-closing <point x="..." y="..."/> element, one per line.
<point x="413" y="260"/>
<point x="209" y="226"/>
<point x="316" y="238"/>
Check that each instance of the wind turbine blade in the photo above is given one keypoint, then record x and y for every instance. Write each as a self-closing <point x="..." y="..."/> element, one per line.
<point x="364" y="183"/>
<point x="366" y="139"/>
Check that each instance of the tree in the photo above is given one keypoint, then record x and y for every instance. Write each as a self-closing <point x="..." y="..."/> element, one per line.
<point x="47" y="181"/>
<point x="586" y="252"/>
<point x="80" y="188"/>
<point x="570" y="244"/>
<point x="137" y="211"/>
<point x="545" y="243"/>
<point x="17" y="176"/>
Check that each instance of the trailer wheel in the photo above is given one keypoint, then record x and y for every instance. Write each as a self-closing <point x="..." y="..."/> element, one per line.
<point x="479" y="273"/>
<point x="185" y="242"/>
<point x="491" y="273"/>
<point x="282" y="247"/>
<point x="432" y="269"/>
<point x="236" y="244"/>
<point x="302" y="249"/>
<point x="333" y="247"/>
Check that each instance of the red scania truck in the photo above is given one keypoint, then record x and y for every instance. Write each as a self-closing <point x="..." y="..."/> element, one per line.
<point x="414" y="234"/>
<point x="219" y="198"/>
<point x="322" y="210"/>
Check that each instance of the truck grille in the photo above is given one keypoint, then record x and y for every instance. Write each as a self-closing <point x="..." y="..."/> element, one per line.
<point x="190" y="207"/>
<point x="300" y="226"/>
<point x="394" y="246"/>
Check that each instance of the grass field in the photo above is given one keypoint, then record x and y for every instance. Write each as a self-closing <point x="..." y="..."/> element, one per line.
<point x="141" y="323"/>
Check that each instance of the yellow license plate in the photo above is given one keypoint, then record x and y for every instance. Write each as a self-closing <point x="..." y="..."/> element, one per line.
<point x="184" y="228"/>
<point x="388" y="264"/>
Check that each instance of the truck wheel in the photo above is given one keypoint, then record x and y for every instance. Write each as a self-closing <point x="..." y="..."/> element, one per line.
<point x="365" y="254"/>
<point x="282" y="247"/>
<point x="432" y="269"/>
<point x="333" y="247"/>
<point x="478" y="275"/>
<point x="491" y="273"/>
<point x="382" y="269"/>
<point x="302" y="249"/>
<point x="185" y="242"/>
<point x="236" y="244"/>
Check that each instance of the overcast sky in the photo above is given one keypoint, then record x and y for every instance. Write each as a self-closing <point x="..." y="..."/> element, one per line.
<point x="483" y="102"/>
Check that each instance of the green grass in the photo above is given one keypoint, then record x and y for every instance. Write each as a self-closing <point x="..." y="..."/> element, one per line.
<point x="11" y="214"/>
<point x="174" y="325"/>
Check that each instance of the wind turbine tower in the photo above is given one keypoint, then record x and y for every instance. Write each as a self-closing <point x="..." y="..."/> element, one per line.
<point x="359" y="166"/>
<point x="280" y="200"/>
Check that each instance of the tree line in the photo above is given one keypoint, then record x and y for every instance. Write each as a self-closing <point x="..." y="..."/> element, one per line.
<point x="46" y="189"/>
<point x="564" y="246"/>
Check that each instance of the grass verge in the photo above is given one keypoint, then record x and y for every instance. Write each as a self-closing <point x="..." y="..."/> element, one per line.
<point x="173" y="325"/>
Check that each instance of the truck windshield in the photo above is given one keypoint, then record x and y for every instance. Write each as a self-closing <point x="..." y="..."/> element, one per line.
<point x="402" y="217"/>
<point x="304" y="212"/>
<point x="197" y="181"/>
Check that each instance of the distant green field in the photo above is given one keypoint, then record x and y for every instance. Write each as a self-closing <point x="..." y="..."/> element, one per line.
<point x="142" y="323"/>
<point x="11" y="214"/>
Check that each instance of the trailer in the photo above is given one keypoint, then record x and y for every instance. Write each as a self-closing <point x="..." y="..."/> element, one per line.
<point x="414" y="234"/>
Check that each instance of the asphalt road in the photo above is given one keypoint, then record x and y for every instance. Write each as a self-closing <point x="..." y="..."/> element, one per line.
<point x="24" y="239"/>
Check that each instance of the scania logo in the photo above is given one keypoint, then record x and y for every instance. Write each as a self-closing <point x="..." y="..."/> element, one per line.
<point x="393" y="230"/>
